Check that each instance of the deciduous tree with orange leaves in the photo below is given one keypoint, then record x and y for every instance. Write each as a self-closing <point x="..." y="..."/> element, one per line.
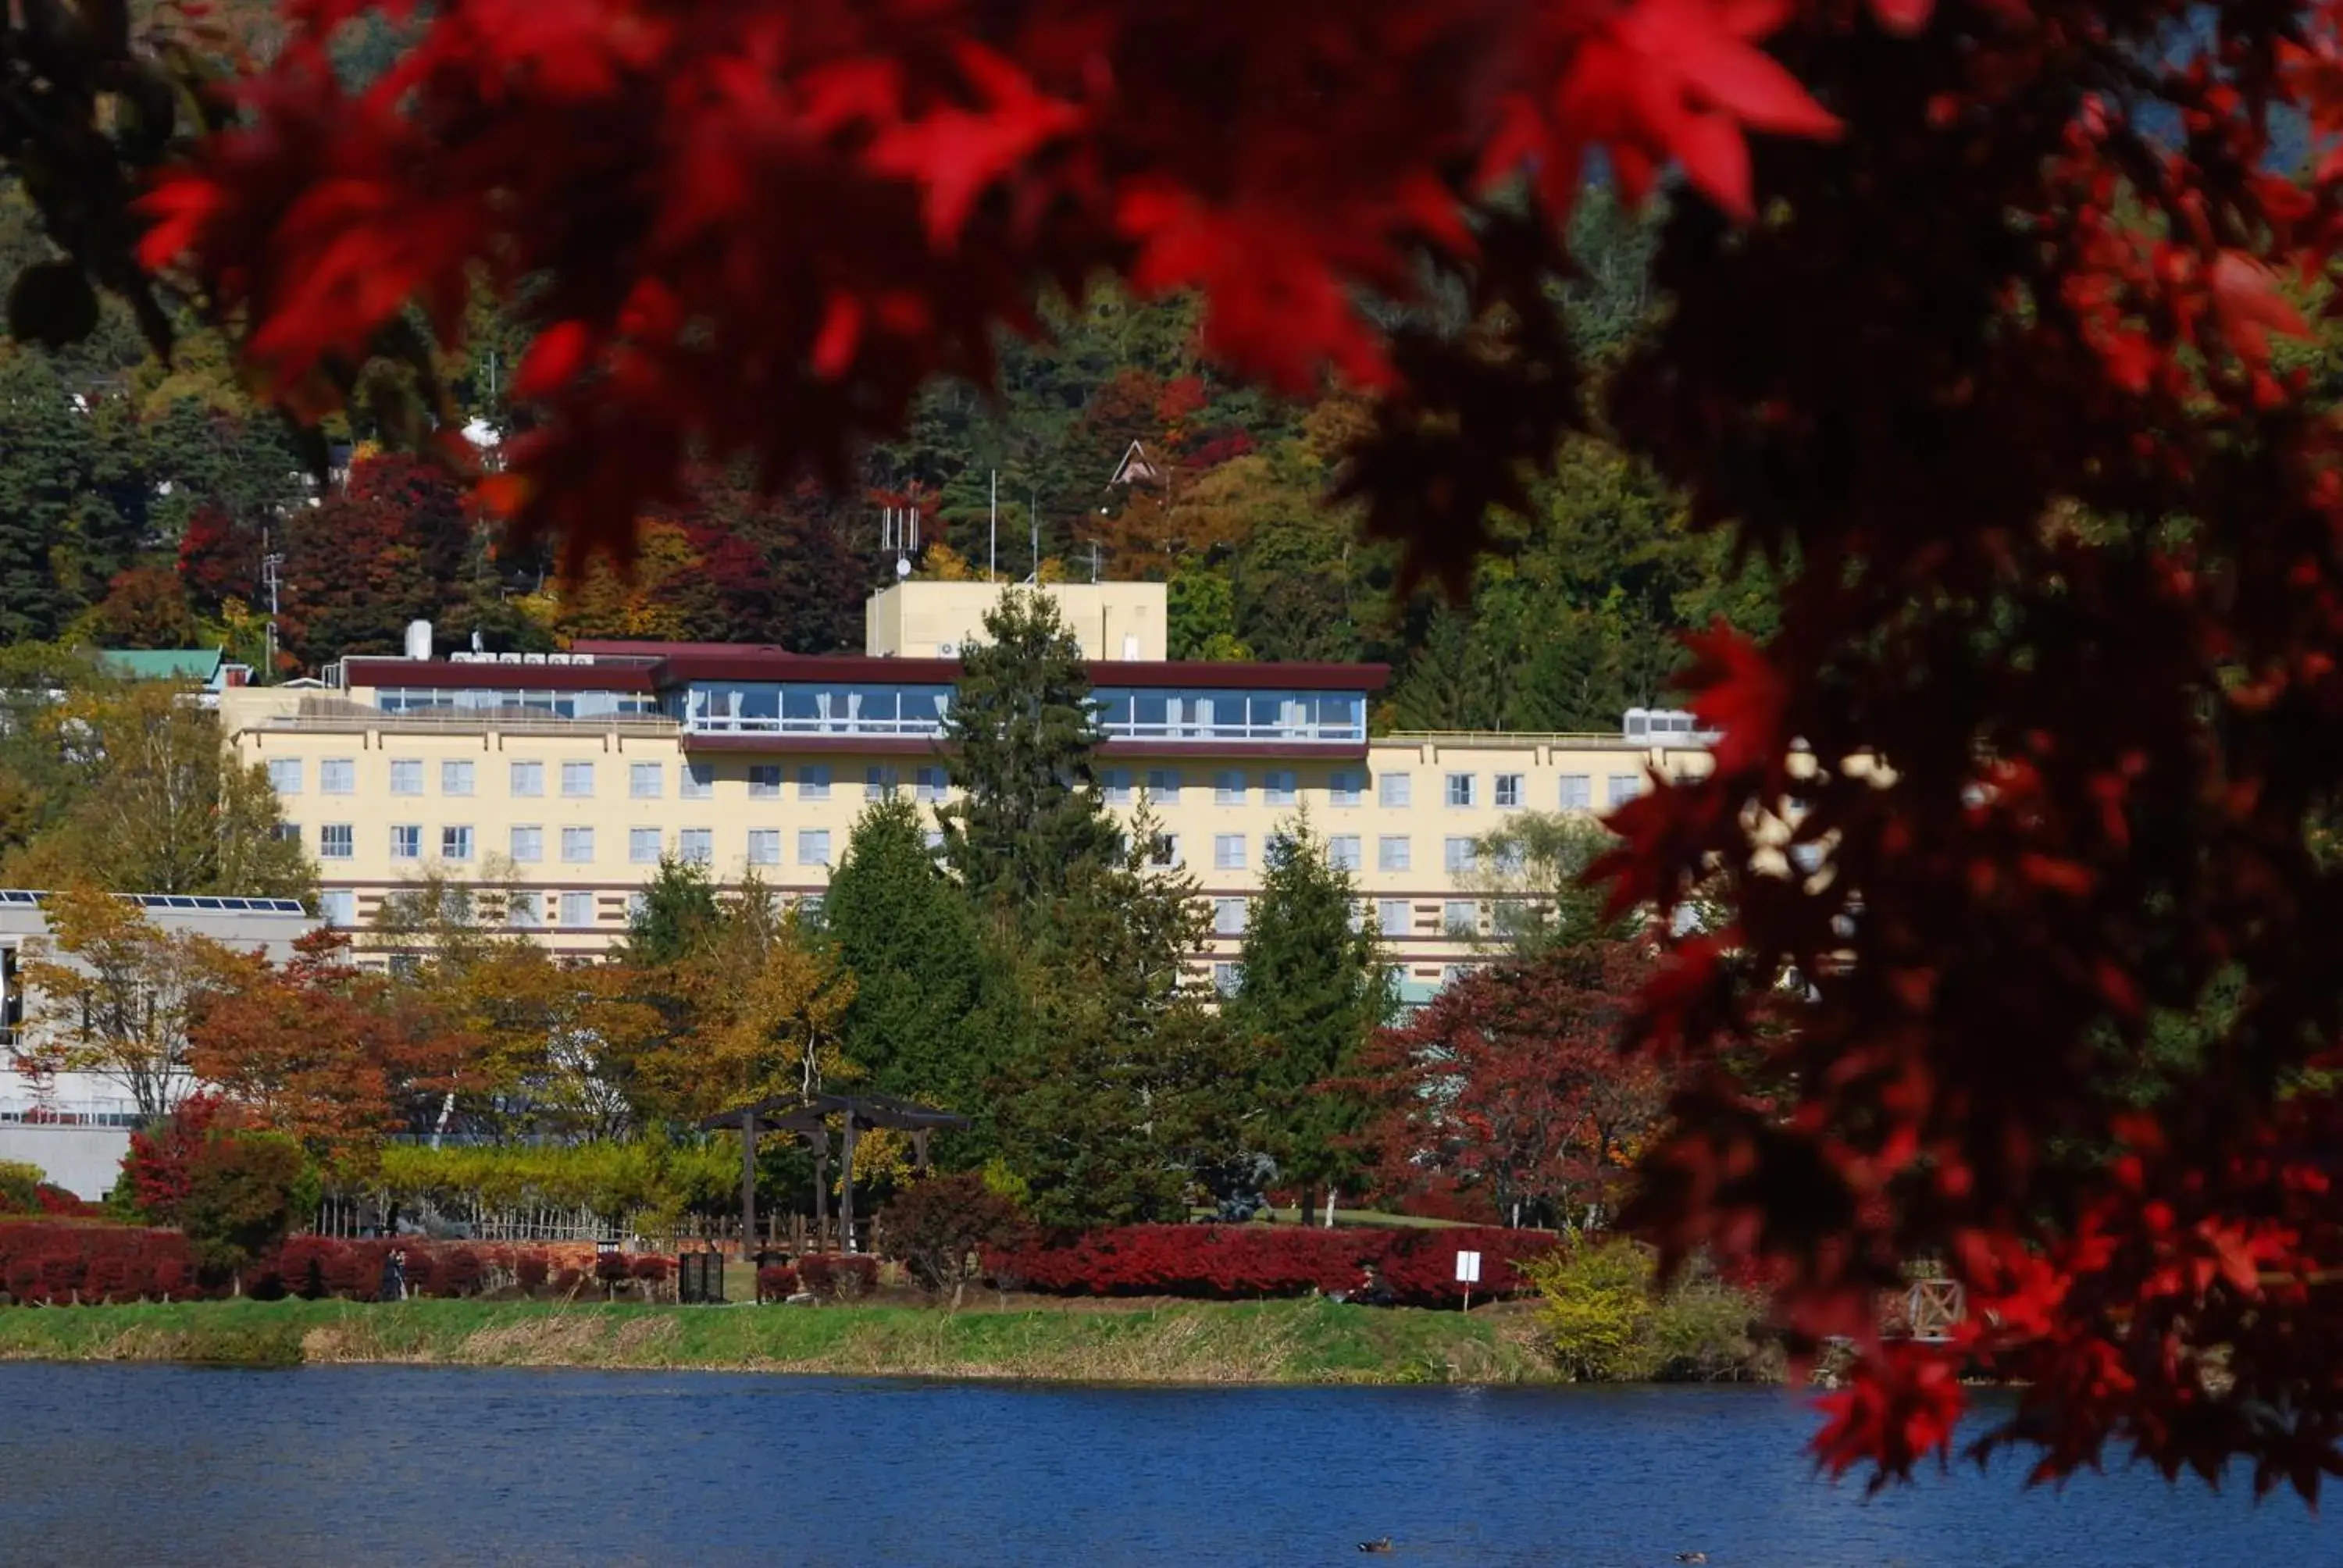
<point x="1969" y="323"/>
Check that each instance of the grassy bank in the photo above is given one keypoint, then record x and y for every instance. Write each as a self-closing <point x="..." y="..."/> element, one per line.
<point x="1287" y="1341"/>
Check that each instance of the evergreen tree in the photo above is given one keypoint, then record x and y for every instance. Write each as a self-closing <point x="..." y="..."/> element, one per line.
<point x="678" y="915"/>
<point x="1024" y="732"/>
<point x="1127" y="1095"/>
<point x="911" y="941"/>
<point x="1314" y="986"/>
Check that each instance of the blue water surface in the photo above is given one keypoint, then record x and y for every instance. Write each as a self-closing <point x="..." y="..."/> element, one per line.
<point x="141" y="1464"/>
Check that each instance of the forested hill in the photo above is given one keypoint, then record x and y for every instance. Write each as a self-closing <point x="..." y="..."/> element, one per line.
<point x="137" y="502"/>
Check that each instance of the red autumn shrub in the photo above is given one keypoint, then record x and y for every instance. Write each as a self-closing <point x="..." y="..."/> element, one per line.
<point x="776" y="1283"/>
<point x="62" y="1269"/>
<point x="1420" y="1266"/>
<point x="1230" y="1262"/>
<point x="459" y="1272"/>
<point x="651" y="1268"/>
<point x="422" y="1268"/>
<point x="844" y="1278"/>
<point x="56" y="1203"/>
<point x="611" y="1268"/>
<point x="532" y="1270"/>
<point x="1213" y="1262"/>
<point x="568" y="1282"/>
<point x="161" y="1162"/>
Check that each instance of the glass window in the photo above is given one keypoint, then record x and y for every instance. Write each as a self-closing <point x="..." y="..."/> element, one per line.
<point x="1164" y="849"/>
<point x="577" y="909"/>
<point x="1346" y="787"/>
<point x="814" y="783"/>
<point x="1621" y="788"/>
<point x="933" y="783"/>
<point x="935" y="839"/>
<point x="1457" y="854"/>
<point x="455" y="777"/>
<point x="1509" y="791"/>
<point x="339" y="776"/>
<point x="1228" y="852"/>
<point x="339" y="907"/>
<point x="337" y="841"/>
<point x="407" y="841"/>
<point x="1115" y="784"/>
<point x="577" y="780"/>
<point x="284" y="775"/>
<point x="1461" y="917"/>
<point x="577" y="845"/>
<point x="1163" y="786"/>
<point x="1278" y="787"/>
<point x="638" y="904"/>
<point x="764" y="782"/>
<point x="406" y="775"/>
<point x="524" y="911"/>
<point x="764" y="846"/>
<point x="696" y="780"/>
<point x="697" y="846"/>
<point x="1393" y="789"/>
<point x="878" y="781"/>
<point x="642" y="845"/>
<point x="1228" y="979"/>
<point x="1392" y="916"/>
<point x="1227" y="917"/>
<point x="1342" y="851"/>
<point x="813" y="847"/>
<point x="645" y="780"/>
<point x="1228" y="786"/>
<point x="455" y="843"/>
<point x="285" y="832"/>
<point x="1460" y="788"/>
<point x="528" y="780"/>
<point x="528" y="845"/>
<point x="1393" y="851"/>
<point x="1577" y="792"/>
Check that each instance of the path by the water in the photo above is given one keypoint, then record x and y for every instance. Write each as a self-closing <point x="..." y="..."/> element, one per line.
<point x="415" y="1467"/>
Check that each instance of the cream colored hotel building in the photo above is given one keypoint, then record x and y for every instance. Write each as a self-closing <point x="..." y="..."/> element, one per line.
<point x="559" y="780"/>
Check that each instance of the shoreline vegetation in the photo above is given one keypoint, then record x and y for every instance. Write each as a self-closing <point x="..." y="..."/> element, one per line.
<point x="1314" y="1342"/>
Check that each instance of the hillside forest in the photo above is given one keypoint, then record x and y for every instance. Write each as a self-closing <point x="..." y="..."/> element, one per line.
<point x="138" y="500"/>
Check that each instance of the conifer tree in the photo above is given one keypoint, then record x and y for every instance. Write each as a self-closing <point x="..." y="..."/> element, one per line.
<point x="1314" y="986"/>
<point x="1024" y="732"/>
<point x="911" y="941"/>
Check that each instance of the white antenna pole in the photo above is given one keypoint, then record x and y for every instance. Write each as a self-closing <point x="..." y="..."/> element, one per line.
<point x="992" y="547"/>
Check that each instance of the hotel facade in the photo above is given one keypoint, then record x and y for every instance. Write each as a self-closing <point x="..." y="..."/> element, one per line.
<point x="554" y="784"/>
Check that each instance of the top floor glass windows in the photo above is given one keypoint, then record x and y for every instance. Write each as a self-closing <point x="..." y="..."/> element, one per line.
<point x="775" y="707"/>
<point x="416" y="699"/>
<point x="1149" y="714"/>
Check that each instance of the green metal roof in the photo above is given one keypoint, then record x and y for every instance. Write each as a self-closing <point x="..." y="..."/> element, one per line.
<point x="162" y="663"/>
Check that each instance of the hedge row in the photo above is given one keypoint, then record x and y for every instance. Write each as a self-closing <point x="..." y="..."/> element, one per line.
<point x="62" y="1264"/>
<point x="1228" y="1262"/>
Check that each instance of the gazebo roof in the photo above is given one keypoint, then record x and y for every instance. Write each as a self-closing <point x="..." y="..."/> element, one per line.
<point x="810" y="1112"/>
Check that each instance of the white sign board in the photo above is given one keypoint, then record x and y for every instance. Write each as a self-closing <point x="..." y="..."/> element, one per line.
<point x="1468" y="1268"/>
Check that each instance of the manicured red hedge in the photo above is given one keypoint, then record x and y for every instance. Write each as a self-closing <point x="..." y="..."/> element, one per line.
<point x="844" y="1277"/>
<point x="1233" y="1263"/>
<point x="776" y="1283"/>
<point x="57" y="1263"/>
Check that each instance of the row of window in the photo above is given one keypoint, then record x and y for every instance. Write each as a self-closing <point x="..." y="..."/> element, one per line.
<point x="1345" y="853"/>
<point x="338" y="842"/>
<point x="524" y="908"/>
<point x="459" y="777"/>
<point x="1392" y="917"/>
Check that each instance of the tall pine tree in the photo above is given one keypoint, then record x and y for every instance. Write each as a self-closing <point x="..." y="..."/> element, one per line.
<point x="1024" y="733"/>
<point x="911" y="941"/>
<point x="1313" y="987"/>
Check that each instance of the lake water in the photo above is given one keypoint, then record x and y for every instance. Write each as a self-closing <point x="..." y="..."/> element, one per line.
<point x="413" y="1466"/>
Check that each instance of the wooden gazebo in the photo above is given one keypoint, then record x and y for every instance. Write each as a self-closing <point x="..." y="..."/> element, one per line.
<point x="808" y="1117"/>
